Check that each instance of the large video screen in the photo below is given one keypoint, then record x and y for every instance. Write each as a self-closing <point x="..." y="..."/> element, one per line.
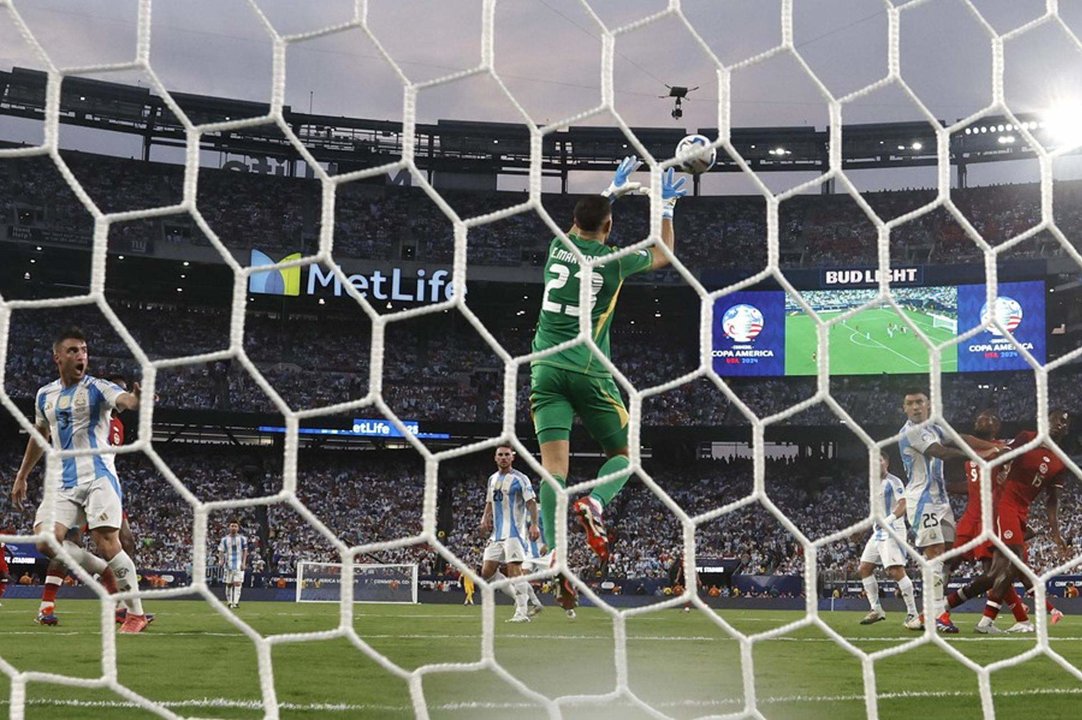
<point x="767" y="333"/>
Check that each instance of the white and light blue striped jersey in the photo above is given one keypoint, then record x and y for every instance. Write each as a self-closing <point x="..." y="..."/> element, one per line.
<point x="509" y="492"/>
<point x="891" y="491"/>
<point x="78" y="419"/>
<point x="533" y="547"/>
<point x="232" y="548"/>
<point x="926" y="485"/>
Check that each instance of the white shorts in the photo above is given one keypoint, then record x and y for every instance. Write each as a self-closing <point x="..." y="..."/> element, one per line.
<point x="233" y="577"/>
<point x="934" y="526"/>
<point x="886" y="552"/>
<point x="96" y="503"/>
<point x="511" y="550"/>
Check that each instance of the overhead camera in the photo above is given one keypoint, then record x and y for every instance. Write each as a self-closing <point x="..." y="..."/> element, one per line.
<point x="679" y="93"/>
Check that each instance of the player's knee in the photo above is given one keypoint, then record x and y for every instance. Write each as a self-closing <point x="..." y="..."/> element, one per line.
<point x="108" y="542"/>
<point x="127" y="542"/>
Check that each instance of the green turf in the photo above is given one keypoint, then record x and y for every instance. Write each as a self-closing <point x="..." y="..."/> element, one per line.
<point x="861" y="345"/>
<point x="683" y="664"/>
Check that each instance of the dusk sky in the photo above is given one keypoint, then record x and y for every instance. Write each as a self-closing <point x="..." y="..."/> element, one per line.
<point x="548" y="53"/>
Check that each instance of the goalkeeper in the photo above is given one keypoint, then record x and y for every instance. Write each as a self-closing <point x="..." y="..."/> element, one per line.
<point x="573" y="381"/>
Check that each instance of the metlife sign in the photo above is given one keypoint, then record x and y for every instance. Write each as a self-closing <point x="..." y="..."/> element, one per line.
<point x="420" y="285"/>
<point x="392" y="285"/>
<point x="379" y="427"/>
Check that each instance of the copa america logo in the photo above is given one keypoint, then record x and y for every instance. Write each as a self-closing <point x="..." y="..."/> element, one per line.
<point x="1008" y="313"/>
<point x="742" y="323"/>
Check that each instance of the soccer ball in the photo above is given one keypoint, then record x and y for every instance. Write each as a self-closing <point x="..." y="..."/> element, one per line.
<point x="695" y="154"/>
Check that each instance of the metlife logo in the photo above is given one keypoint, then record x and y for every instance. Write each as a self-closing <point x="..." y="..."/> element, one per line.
<point x="284" y="281"/>
<point x="394" y="284"/>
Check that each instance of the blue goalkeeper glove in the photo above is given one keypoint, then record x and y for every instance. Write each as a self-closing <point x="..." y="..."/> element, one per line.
<point x="671" y="191"/>
<point x="620" y="184"/>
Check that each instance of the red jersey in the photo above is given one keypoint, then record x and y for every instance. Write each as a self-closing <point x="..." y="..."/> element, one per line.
<point x="116" y="431"/>
<point x="1029" y="473"/>
<point x="972" y="471"/>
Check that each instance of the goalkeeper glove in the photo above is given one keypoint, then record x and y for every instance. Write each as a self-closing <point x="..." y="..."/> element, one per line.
<point x="620" y="185"/>
<point x="671" y="192"/>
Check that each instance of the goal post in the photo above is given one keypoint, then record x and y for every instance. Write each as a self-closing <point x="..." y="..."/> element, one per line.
<point x="372" y="583"/>
<point x="942" y="321"/>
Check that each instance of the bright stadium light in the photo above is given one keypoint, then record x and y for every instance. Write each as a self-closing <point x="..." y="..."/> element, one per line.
<point x="1062" y="123"/>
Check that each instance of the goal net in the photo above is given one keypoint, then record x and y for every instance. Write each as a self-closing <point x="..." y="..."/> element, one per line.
<point x="941" y="321"/>
<point x="322" y="582"/>
<point x="746" y="644"/>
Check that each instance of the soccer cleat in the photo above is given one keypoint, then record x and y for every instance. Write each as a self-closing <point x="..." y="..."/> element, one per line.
<point x="873" y="617"/>
<point x="134" y="624"/>
<point x="1057" y="615"/>
<point x="519" y="618"/>
<point x="535" y="609"/>
<point x="120" y="615"/>
<point x="47" y="619"/>
<point x="1022" y="627"/>
<point x="570" y="613"/>
<point x="944" y="625"/>
<point x="914" y="622"/>
<point x="987" y="629"/>
<point x="589" y="513"/>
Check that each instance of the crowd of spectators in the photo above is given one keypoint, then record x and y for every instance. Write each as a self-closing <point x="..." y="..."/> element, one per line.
<point x="280" y="215"/>
<point x="378" y="496"/>
<point x="436" y="368"/>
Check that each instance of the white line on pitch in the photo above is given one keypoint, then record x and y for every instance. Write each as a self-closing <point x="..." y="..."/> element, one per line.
<point x="723" y="702"/>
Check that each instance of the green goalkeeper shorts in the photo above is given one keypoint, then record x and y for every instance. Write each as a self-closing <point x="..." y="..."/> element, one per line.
<point x="558" y="395"/>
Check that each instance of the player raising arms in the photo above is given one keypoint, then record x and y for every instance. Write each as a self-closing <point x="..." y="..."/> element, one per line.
<point x="931" y="519"/>
<point x="882" y="549"/>
<point x="573" y="381"/>
<point x="73" y="413"/>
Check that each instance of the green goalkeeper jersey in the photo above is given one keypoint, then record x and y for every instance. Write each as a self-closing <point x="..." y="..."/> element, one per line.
<point x="559" y="318"/>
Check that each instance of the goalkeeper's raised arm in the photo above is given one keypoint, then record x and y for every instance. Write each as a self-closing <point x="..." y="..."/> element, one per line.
<point x="672" y="189"/>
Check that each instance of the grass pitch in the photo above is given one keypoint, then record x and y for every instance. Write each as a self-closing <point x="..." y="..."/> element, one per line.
<point x="199" y="665"/>
<point x="861" y="345"/>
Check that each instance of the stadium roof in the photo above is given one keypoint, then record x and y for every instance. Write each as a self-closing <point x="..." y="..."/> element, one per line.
<point x="500" y="148"/>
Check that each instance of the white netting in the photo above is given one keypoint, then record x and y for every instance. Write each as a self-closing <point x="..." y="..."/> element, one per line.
<point x="609" y="36"/>
<point x="322" y="582"/>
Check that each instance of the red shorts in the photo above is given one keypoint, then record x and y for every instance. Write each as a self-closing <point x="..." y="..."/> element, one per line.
<point x="1011" y="524"/>
<point x="3" y="563"/>
<point x="968" y="528"/>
